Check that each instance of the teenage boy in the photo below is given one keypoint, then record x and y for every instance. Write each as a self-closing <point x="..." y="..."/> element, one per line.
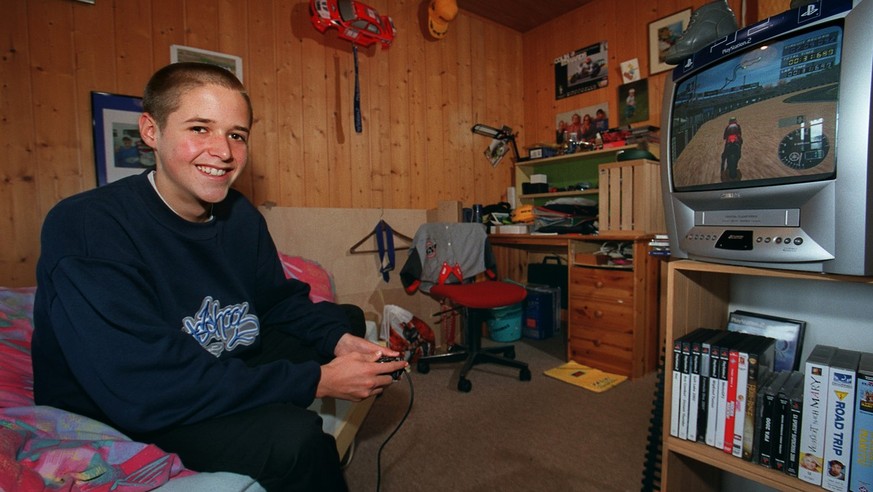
<point x="162" y="308"/>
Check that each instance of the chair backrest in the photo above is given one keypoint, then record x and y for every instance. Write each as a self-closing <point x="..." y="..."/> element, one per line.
<point x="461" y="245"/>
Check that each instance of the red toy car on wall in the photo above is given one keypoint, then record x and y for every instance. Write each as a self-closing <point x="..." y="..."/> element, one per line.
<point x="354" y="21"/>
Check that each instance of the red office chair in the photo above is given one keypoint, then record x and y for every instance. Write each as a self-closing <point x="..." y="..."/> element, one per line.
<point x="444" y="261"/>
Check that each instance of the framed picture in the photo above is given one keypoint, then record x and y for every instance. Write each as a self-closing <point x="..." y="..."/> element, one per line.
<point x="584" y="122"/>
<point x="663" y="33"/>
<point x="118" y="149"/>
<point x="633" y="102"/>
<point x="630" y="71"/>
<point x="581" y="71"/>
<point x="188" y="54"/>
<point x="788" y="334"/>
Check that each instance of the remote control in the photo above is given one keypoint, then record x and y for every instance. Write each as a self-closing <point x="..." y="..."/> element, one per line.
<point x="396" y="374"/>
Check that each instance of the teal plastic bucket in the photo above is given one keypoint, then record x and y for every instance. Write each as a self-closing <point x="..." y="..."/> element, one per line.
<point x="505" y="323"/>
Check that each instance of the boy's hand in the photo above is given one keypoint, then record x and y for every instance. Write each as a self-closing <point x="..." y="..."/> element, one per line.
<point x="355" y="376"/>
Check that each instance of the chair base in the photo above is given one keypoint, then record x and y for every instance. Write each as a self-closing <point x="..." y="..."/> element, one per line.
<point x="503" y="355"/>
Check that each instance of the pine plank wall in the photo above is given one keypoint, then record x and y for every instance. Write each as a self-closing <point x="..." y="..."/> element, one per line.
<point x="419" y="98"/>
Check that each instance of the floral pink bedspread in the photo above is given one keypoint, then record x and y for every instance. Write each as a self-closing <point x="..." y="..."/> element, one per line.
<point x="45" y="448"/>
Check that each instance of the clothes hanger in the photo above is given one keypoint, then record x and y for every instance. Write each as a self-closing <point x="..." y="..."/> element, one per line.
<point x="385" y="239"/>
<point x="355" y="251"/>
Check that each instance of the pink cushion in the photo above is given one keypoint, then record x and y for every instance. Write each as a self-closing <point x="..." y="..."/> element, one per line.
<point x="312" y="273"/>
<point x="16" y="329"/>
<point x="481" y="295"/>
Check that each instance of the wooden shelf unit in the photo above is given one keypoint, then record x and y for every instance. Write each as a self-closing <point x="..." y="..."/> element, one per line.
<point x="565" y="170"/>
<point x="698" y="295"/>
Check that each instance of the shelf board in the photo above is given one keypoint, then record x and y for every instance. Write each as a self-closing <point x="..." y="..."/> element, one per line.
<point x="558" y="194"/>
<point x="719" y="459"/>
<point x="574" y="156"/>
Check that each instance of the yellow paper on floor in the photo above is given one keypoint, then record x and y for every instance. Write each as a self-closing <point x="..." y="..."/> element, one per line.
<point x="586" y="377"/>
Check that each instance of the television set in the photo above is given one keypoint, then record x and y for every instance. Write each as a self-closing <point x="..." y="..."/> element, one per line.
<point x="766" y="144"/>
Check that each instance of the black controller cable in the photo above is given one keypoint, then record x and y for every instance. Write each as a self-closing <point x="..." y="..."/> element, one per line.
<point x="399" y="424"/>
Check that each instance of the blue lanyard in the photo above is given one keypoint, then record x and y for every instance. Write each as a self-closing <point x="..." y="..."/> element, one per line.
<point x="383" y="228"/>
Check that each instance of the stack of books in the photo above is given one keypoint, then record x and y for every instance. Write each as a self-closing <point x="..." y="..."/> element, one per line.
<point x="659" y="245"/>
<point x="814" y="422"/>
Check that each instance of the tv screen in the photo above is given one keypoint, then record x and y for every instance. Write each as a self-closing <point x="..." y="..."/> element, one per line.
<point x="767" y="115"/>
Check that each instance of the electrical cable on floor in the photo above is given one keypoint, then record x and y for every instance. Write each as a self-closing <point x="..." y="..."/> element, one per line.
<point x="399" y="424"/>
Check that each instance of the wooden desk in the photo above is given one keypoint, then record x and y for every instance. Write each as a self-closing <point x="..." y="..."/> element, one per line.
<point x="613" y="313"/>
<point x="513" y="251"/>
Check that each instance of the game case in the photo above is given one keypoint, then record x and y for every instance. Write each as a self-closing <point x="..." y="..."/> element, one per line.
<point x="795" y="411"/>
<point x="721" y="404"/>
<point x="684" y="395"/>
<point x="839" y="421"/>
<point x="765" y="377"/>
<point x="713" y="388"/>
<point x="731" y="399"/>
<point x="679" y="410"/>
<point x="760" y="354"/>
<point x="788" y="334"/>
<point x="694" y="384"/>
<point x="815" y="381"/>
<point x="768" y="417"/>
<point x="782" y="419"/>
<point x="740" y="403"/>
<point x="703" y="397"/>
<point x="676" y="391"/>
<point x="861" y="478"/>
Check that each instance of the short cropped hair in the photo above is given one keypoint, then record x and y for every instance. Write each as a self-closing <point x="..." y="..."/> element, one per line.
<point x="163" y="92"/>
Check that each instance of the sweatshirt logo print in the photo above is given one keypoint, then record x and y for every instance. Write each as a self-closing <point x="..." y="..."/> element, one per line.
<point x="218" y="329"/>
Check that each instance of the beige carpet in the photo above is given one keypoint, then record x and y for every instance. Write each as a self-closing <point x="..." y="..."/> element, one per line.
<point x="509" y="435"/>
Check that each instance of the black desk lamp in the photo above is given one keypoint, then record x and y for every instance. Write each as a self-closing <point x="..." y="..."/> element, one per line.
<point x="504" y="134"/>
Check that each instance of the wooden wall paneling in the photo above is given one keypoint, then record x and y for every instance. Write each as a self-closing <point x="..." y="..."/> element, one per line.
<point x="201" y="24"/>
<point x="420" y="192"/>
<point x="232" y="26"/>
<point x="464" y="157"/>
<point x="335" y="178"/>
<point x="233" y="39"/>
<point x="131" y="30"/>
<point x="95" y="71"/>
<point x="52" y="59"/>
<point x="19" y="184"/>
<point x="168" y="28"/>
<point x="505" y="172"/>
<point x="434" y="137"/>
<point x="318" y="114"/>
<point x="491" y="107"/>
<point x="371" y="153"/>
<point x="355" y="187"/>
<point x="397" y="168"/>
<point x="261" y="81"/>
<point x="292" y="21"/>
<point x="450" y="104"/>
<point x="536" y="68"/>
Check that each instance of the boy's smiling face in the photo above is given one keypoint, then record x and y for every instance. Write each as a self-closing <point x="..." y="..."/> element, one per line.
<point x="201" y="149"/>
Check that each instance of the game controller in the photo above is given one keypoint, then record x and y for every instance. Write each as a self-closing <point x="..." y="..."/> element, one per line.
<point x="396" y="374"/>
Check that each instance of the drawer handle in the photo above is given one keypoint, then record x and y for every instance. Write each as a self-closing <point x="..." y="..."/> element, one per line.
<point x="598" y="313"/>
<point x="597" y="342"/>
<point x="598" y="284"/>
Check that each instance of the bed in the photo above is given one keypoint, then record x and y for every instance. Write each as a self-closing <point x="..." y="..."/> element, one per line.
<point x="46" y="448"/>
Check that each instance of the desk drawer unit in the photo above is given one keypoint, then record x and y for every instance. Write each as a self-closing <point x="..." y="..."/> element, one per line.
<point x="602" y="283"/>
<point x="601" y="318"/>
<point x="611" y="325"/>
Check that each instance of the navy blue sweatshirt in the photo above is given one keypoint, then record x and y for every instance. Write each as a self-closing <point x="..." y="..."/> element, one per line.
<point x="140" y="316"/>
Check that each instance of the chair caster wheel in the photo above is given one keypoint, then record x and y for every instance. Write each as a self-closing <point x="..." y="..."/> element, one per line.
<point x="524" y="374"/>
<point x="510" y="354"/>
<point x="423" y="367"/>
<point x="464" y="385"/>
